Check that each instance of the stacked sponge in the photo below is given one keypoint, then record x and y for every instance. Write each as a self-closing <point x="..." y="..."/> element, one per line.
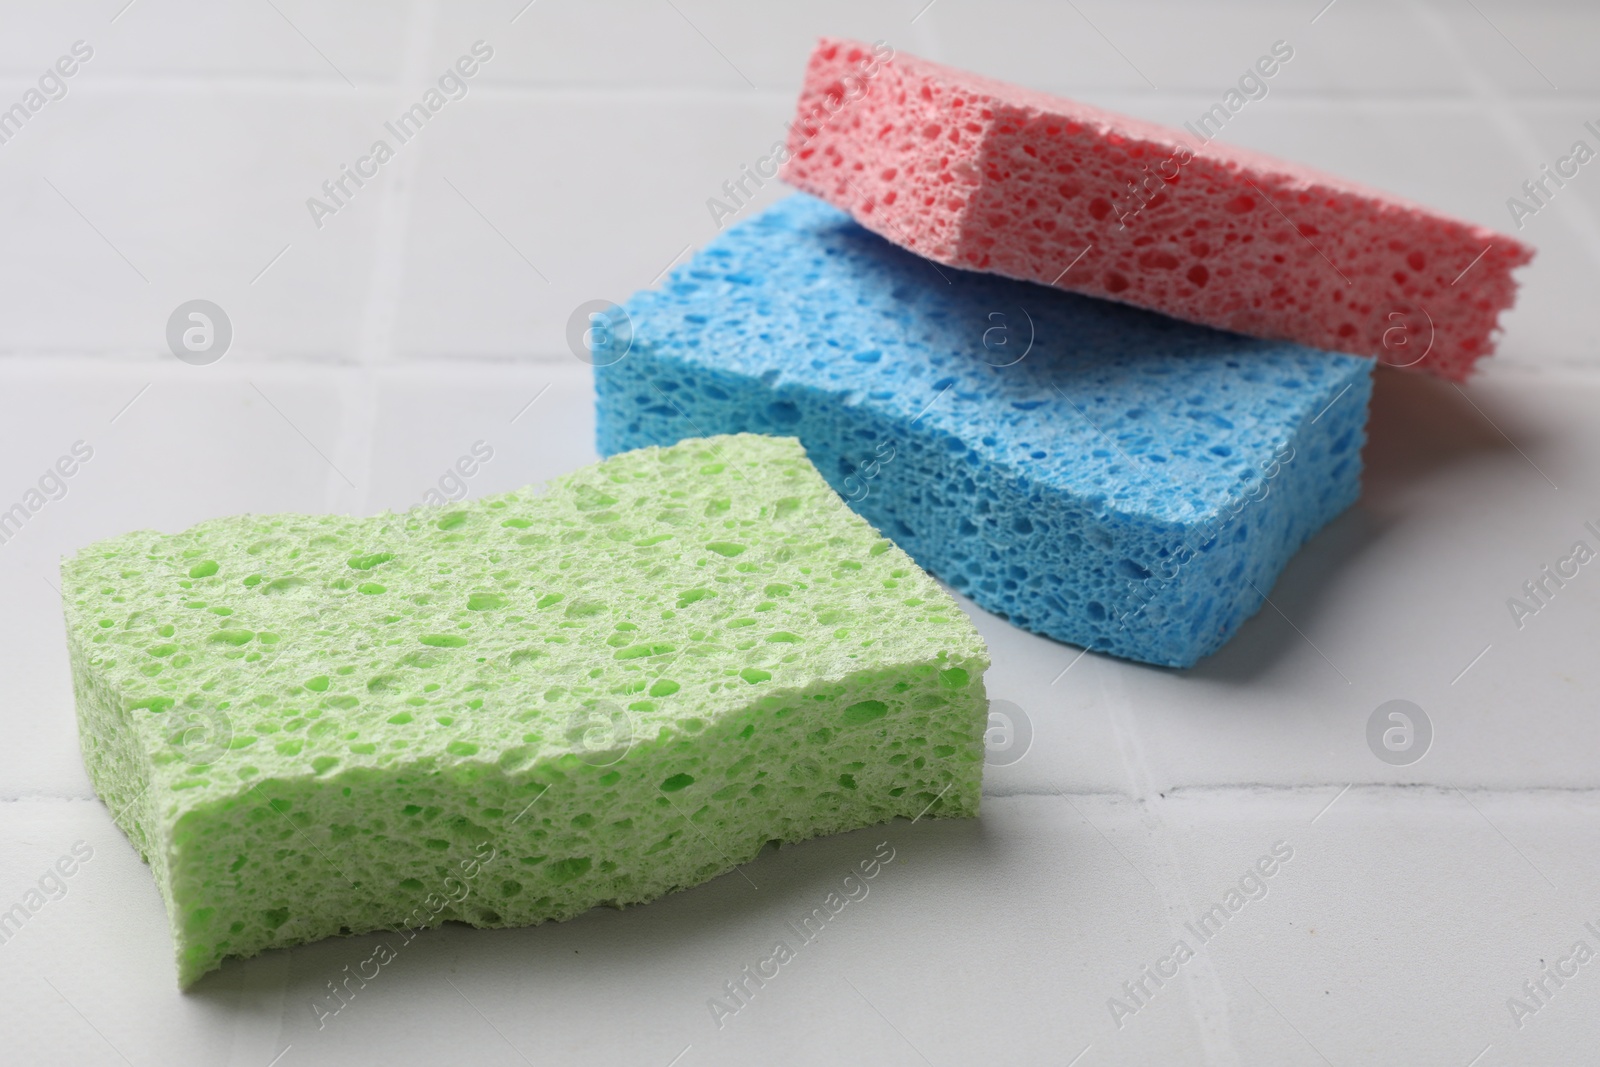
<point x="1097" y="473"/>
<point x="515" y="709"/>
<point x="975" y="173"/>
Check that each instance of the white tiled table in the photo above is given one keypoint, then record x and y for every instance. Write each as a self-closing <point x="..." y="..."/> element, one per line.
<point x="373" y="351"/>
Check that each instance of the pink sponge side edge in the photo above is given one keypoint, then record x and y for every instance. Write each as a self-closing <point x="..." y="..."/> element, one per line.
<point x="982" y="175"/>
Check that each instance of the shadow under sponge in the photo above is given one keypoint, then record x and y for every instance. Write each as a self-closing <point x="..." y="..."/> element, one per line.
<point x="514" y="709"/>
<point x="1094" y="472"/>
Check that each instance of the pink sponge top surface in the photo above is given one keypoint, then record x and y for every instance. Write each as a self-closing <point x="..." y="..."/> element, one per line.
<point x="974" y="173"/>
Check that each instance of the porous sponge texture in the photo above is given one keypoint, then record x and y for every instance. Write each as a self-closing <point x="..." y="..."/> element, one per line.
<point x="1093" y="472"/>
<point x="627" y="684"/>
<point x="979" y="174"/>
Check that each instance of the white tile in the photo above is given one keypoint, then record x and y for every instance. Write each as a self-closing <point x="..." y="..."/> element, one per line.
<point x="1400" y="927"/>
<point x="1548" y="326"/>
<point x="290" y="39"/>
<point x="1534" y="50"/>
<point x="615" y="44"/>
<point x="1169" y="47"/>
<point x="1397" y="598"/>
<point x="523" y="210"/>
<point x="121" y="205"/>
<point x="533" y="423"/>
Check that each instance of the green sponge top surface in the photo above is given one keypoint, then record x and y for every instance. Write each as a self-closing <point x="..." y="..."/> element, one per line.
<point x="676" y="583"/>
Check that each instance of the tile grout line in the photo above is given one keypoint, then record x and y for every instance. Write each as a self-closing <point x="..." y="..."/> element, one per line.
<point x="1207" y="999"/>
<point x="380" y="315"/>
<point x="258" y="1012"/>
<point x="1584" y="374"/>
<point x="511" y="87"/>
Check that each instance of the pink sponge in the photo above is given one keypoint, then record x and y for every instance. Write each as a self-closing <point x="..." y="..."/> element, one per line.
<point x="975" y="173"/>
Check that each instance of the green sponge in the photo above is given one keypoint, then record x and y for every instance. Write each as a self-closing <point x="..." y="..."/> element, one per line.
<point x="516" y="709"/>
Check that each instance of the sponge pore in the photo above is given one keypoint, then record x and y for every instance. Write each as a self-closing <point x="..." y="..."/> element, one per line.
<point x="516" y="709"/>
<point x="979" y="174"/>
<point x="1100" y="474"/>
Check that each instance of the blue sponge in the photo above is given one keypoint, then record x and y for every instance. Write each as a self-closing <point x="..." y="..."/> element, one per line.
<point x="1093" y="472"/>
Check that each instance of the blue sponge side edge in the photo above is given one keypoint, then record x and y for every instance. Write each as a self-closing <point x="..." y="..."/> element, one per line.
<point x="1172" y="593"/>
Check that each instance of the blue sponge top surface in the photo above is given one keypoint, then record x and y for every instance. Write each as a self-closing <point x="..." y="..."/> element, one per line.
<point x="1129" y="411"/>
